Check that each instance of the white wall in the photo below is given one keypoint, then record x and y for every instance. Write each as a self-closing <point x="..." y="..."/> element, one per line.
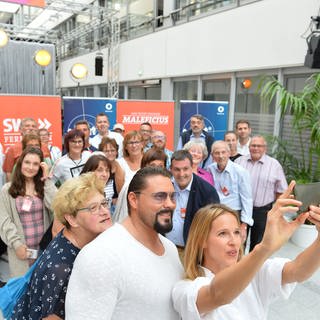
<point x="261" y="35"/>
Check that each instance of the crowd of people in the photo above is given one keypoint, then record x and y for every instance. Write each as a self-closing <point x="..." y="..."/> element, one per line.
<point x="180" y="223"/>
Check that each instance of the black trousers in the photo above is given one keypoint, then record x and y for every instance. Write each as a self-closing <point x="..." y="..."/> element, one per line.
<point x="259" y="215"/>
<point x="3" y="247"/>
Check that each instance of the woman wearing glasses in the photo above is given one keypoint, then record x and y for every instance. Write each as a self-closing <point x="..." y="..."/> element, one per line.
<point x="132" y="154"/>
<point x="71" y="164"/>
<point x="81" y="207"/>
<point x="220" y="284"/>
<point x="152" y="158"/>
<point x="25" y="209"/>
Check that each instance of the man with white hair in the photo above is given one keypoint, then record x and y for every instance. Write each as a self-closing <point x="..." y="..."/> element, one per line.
<point x="232" y="183"/>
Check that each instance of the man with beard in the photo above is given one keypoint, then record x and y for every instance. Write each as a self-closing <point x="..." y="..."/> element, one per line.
<point x="129" y="271"/>
<point x="193" y="193"/>
<point x="197" y="131"/>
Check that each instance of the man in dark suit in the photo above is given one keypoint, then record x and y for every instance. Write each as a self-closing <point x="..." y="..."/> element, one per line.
<point x="193" y="193"/>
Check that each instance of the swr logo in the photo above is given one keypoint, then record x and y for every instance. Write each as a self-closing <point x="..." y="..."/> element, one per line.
<point x="12" y="125"/>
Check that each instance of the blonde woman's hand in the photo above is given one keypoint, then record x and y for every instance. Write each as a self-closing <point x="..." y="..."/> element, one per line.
<point x="314" y="216"/>
<point x="278" y="229"/>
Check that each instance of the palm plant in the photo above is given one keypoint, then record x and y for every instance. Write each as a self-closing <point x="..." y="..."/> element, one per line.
<point x="304" y="108"/>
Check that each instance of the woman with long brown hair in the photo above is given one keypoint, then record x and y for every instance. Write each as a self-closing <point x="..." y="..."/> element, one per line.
<point x="25" y="209"/>
<point x="110" y="149"/>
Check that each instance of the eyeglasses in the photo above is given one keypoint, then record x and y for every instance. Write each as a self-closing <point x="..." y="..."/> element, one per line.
<point x="76" y="141"/>
<point x="158" y="137"/>
<point x="110" y="151"/>
<point x="95" y="207"/>
<point x="161" y="196"/>
<point x="257" y="145"/>
<point x="131" y="143"/>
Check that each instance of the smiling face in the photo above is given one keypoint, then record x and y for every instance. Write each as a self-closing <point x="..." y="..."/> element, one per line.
<point x="102" y="124"/>
<point x="257" y="148"/>
<point x="28" y="126"/>
<point x="134" y="146"/>
<point x="153" y="212"/>
<point x="196" y="152"/>
<point x="84" y="128"/>
<point x="93" y="224"/>
<point x="76" y="145"/>
<point x="196" y="125"/>
<point x="102" y="172"/>
<point x="231" y="139"/>
<point x="158" y="139"/>
<point x="220" y="154"/>
<point x="182" y="172"/>
<point x="222" y="247"/>
<point x="110" y="152"/>
<point x="30" y="165"/>
<point x="243" y="131"/>
<point x="145" y="131"/>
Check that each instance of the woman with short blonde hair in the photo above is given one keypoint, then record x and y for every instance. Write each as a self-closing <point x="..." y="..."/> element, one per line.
<point x="81" y="207"/>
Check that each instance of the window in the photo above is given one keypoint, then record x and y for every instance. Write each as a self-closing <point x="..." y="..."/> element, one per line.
<point x="216" y="90"/>
<point x="248" y="106"/>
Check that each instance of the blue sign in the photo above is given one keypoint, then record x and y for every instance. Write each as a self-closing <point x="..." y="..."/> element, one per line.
<point x="215" y="115"/>
<point x="76" y="109"/>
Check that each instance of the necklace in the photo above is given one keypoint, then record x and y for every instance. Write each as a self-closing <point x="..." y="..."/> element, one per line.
<point x="76" y="163"/>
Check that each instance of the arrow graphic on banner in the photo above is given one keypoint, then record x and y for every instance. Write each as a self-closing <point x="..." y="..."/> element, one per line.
<point x="44" y="124"/>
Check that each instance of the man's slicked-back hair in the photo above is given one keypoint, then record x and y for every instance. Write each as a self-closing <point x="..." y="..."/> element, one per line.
<point x="139" y="180"/>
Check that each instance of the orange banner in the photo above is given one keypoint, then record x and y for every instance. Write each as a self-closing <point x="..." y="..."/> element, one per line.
<point x="31" y="3"/>
<point x="45" y="110"/>
<point x="159" y="114"/>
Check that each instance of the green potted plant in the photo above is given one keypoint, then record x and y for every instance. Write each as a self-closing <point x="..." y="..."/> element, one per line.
<point x="301" y="156"/>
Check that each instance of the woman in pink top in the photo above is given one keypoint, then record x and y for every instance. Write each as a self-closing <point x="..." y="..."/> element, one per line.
<point x="199" y="152"/>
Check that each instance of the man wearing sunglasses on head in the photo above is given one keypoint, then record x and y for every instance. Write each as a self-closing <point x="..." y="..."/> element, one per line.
<point x="129" y="272"/>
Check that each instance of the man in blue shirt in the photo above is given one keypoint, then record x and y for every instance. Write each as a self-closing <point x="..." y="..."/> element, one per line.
<point x="232" y="183"/>
<point x="193" y="193"/>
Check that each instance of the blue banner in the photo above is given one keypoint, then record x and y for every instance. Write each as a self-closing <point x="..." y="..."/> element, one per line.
<point x="76" y="109"/>
<point x="215" y="115"/>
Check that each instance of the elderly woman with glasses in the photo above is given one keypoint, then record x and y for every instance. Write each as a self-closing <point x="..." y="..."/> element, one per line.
<point x="220" y="284"/>
<point x="72" y="163"/>
<point x="81" y="207"/>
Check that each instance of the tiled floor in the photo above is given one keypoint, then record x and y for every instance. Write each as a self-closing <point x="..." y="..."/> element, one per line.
<point x="304" y="303"/>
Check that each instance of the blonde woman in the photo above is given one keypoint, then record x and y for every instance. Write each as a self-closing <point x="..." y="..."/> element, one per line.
<point x="220" y="284"/>
<point x="81" y="207"/>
